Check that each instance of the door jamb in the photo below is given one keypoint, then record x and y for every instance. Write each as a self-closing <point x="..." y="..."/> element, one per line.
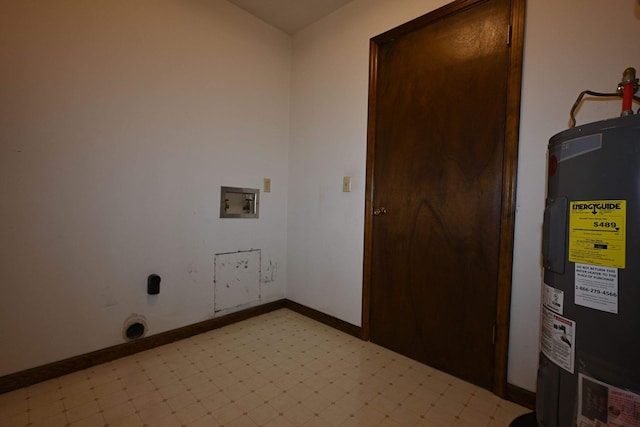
<point x="509" y="174"/>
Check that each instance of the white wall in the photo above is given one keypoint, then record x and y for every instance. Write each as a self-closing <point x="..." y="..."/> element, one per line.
<point x="119" y="122"/>
<point x="570" y="46"/>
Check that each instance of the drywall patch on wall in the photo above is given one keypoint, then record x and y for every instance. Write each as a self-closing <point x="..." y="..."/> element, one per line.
<point x="236" y="279"/>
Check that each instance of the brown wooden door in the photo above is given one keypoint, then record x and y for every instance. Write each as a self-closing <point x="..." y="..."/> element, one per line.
<point x="437" y="137"/>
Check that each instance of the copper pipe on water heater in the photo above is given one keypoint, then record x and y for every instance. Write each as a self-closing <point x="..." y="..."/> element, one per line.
<point x="626" y="89"/>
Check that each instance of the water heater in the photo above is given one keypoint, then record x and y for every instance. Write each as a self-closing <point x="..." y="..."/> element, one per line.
<point x="589" y="369"/>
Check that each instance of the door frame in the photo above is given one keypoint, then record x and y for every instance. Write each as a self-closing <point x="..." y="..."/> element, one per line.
<point x="509" y="173"/>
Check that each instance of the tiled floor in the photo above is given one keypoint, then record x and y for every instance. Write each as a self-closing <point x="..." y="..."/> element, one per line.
<point x="279" y="369"/>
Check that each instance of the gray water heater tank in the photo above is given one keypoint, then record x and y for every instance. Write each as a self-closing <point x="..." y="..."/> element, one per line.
<point x="589" y="371"/>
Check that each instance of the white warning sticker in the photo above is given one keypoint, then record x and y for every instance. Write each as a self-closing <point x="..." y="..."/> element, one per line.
<point x="558" y="339"/>
<point x="553" y="299"/>
<point x="597" y="287"/>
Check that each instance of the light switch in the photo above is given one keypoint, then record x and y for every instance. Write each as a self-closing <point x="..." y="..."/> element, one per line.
<point x="346" y="184"/>
<point x="267" y="185"/>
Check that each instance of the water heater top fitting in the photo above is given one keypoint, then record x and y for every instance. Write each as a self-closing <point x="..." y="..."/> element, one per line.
<point x="626" y="90"/>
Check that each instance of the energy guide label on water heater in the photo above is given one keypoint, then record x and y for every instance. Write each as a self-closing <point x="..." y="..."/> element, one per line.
<point x="597" y="230"/>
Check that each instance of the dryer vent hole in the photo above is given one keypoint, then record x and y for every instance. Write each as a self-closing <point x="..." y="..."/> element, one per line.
<point x="135" y="331"/>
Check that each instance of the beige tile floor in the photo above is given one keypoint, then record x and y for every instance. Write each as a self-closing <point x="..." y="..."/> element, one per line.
<point x="278" y="369"/>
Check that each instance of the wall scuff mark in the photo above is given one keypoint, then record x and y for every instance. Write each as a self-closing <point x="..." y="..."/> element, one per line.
<point x="236" y="279"/>
<point x="270" y="272"/>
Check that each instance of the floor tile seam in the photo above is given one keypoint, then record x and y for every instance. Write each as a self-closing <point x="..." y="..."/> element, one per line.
<point x="93" y="398"/>
<point x="442" y="398"/>
<point x="71" y="421"/>
<point x="34" y="391"/>
<point x="417" y="415"/>
<point x="15" y="411"/>
<point x="32" y="419"/>
<point x="493" y="412"/>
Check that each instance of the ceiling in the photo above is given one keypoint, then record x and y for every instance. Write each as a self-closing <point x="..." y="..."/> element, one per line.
<point x="290" y="15"/>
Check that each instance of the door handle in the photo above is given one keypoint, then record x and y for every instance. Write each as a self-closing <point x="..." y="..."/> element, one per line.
<point x="380" y="211"/>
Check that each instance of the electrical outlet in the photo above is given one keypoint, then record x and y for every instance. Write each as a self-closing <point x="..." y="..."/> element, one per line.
<point x="346" y="184"/>
<point x="267" y="185"/>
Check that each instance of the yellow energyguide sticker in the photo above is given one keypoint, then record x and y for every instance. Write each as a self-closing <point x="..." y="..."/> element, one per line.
<point x="597" y="231"/>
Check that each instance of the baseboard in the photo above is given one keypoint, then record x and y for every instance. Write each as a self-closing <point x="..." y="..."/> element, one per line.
<point x="42" y="373"/>
<point x="321" y="317"/>
<point x="52" y="370"/>
<point x="521" y="396"/>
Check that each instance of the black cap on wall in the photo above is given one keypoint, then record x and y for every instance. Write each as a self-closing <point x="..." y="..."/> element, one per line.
<point x="153" y="284"/>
